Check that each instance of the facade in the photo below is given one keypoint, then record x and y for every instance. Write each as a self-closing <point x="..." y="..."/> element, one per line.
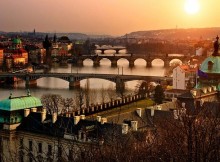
<point x="15" y="56"/>
<point x="28" y="133"/>
<point x="1" y="57"/>
<point x="184" y="77"/>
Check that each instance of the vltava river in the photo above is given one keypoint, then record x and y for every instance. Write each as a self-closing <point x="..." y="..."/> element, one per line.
<point x="58" y="86"/>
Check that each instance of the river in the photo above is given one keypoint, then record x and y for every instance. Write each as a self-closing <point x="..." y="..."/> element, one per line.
<point x="58" y="86"/>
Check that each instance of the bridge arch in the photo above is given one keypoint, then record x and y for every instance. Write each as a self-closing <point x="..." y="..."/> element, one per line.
<point x="140" y="62"/>
<point x="88" y="62"/>
<point x="105" y="61"/>
<point x="175" y="61"/>
<point x="158" y="62"/>
<point x="122" y="62"/>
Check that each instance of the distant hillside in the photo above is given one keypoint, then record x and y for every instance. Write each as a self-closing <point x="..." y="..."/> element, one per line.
<point x="192" y="33"/>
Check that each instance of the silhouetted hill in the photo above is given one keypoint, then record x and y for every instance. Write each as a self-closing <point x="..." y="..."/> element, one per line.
<point x="191" y="33"/>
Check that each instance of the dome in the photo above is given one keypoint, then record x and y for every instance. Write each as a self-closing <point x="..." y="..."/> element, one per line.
<point x="64" y="39"/>
<point x="19" y="103"/>
<point x="16" y="41"/>
<point x="211" y="65"/>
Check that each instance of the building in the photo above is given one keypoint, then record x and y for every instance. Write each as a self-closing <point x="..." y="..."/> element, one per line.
<point x="184" y="76"/>
<point x="1" y="57"/>
<point x="15" y="56"/>
<point x="208" y="86"/>
<point x="28" y="133"/>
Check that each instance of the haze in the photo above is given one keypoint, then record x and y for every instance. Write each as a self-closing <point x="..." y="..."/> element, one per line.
<point x="113" y="17"/>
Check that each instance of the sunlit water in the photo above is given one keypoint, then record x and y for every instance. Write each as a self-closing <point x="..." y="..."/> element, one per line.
<point x="59" y="86"/>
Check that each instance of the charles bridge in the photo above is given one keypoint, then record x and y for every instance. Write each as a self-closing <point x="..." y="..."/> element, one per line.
<point x="75" y="78"/>
<point x="167" y="58"/>
<point x="115" y="48"/>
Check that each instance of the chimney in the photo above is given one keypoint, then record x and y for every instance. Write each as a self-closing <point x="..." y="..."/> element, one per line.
<point x="43" y="116"/>
<point x="34" y="109"/>
<point x="134" y="125"/>
<point x="193" y="92"/>
<point x="175" y="114"/>
<point x="54" y="117"/>
<point x="183" y="104"/>
<point x="26" y="112"/>
<point x="98" y="118"/>
<point x="83" y="117"/>
<point x="152" y="112"/>
<point x="76" y="119"/>
<point x="44" y="110"/>
<point x="103" y="120"/>
<point x="124" y="128"/>
<point x="139" y="110"/>
<point x="214" y="88"/>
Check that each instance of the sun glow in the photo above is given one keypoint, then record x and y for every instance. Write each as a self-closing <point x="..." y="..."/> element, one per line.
<point x="191" y="6"/>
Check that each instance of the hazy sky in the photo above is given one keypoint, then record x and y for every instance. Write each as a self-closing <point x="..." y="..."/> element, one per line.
<point x="115" y="17"/>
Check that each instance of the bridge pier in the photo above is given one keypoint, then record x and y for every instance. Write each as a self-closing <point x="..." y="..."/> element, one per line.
<point x="117" y="51"/>
<point x="79" y="63"/>
<point x="149" y="63"/>
<point x="96" y="63"/>
<point x="103" y="51"/>
<point x="131" y="63"/>
<point x="166" y="63"/>
<point x="74" y="84"/>
<point x="30" y="83"/>
<point x="114" y="63"/>
<point x="120" y="85"/>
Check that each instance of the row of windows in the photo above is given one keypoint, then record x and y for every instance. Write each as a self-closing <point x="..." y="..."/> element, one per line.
<point x="39" y="146"/>
<point x="40" y="150"/>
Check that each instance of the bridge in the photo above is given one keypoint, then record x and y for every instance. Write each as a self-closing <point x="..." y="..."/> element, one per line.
<point x="75" y="78"/>
<point x="167" y="58"/>
<point x="115" y="48"/>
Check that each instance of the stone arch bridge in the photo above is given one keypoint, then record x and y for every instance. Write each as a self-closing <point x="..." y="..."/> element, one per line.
<point x="131" y="59"/>
<point x="75" y="78"/>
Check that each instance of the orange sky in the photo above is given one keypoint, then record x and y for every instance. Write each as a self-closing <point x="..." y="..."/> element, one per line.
<point x="114" y="17"/>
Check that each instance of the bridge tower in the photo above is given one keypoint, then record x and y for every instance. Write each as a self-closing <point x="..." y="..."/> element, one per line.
<point x="47" y="45"/>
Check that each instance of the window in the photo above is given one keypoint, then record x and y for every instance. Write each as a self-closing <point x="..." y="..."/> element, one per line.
<point x="40" y="147"/>
<point x="30" y="146"/>
<point x="21" y="143"/>
<point x="70" y="157"/>
<point x="59" y="151"/>
<point x="49" y="152"/>
<point x="21" y="156"/>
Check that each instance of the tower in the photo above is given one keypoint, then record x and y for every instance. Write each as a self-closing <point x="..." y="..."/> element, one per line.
<point x="47" y="46"/>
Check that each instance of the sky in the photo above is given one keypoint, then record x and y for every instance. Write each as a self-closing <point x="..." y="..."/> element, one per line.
<point x="112" y="17"/>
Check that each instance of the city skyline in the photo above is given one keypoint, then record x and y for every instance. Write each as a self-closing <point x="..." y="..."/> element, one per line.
<point x="115" y="17"/>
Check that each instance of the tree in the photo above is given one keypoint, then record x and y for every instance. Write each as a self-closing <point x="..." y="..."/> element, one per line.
<point x="67" y="104"/>
<point x="51" y="102"/>
<point x="159" y="94"/>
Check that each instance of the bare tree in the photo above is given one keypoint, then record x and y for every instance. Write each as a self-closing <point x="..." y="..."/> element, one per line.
<point x="79" y="98"/>
<point x="51" y="102"/>
<point x="67" y="104"/>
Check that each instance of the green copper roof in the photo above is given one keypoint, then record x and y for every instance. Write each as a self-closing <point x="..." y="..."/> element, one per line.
<point x="16" y="41"/>
<point x="215" y="60"/>
<point x="19" y="103"/>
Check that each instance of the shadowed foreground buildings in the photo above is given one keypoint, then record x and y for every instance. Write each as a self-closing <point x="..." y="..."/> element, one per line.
<point x="166" y="132"/>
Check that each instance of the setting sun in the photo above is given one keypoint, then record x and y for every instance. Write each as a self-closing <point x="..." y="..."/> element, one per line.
<point x="191" y="6"/>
